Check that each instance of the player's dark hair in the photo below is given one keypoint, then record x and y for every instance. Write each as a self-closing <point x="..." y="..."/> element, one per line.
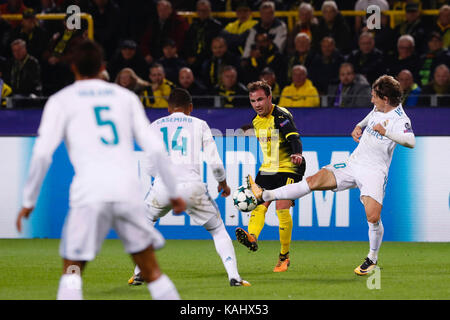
<point x="387" y="86"/>
<point x="179" y="98"/>
<point x="257" y="85"/>
<point x="88" y="58"/>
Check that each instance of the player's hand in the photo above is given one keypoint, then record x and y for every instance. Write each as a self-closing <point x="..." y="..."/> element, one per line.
<point x="357" y="133"/>
<point x="380" y="129"/>
<point x="224" y="188"/>
<point x="296" y="159"/>
<point x="24" y="213"/>
<point x="178" y="205"/>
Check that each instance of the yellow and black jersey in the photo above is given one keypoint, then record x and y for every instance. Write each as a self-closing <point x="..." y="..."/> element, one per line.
<point x="157" y="98"/>
<point x="279" y="138"/>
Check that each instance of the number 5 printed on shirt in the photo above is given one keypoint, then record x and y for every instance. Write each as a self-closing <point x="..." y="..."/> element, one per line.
<point x="101" y="121"/>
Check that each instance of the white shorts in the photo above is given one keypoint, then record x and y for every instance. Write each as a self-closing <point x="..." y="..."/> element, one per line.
<point x="199" y="205"/>
<point x="87" y="226"/>
<point x="371" y="183"/>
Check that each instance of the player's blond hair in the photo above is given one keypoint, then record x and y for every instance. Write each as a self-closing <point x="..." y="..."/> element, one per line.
<point x="260" y="85"/>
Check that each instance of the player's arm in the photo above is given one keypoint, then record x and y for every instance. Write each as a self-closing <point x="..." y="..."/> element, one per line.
<point x="152" y="144"/>
<point x="357" y="131"/>
<point x="289" y="131"/>
<point x="401" y="133"/>
<point x="50" y="135"/>
<point x="213" y="159"/>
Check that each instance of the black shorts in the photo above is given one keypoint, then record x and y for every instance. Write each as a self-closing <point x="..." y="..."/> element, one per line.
<point x="271" y="180"/>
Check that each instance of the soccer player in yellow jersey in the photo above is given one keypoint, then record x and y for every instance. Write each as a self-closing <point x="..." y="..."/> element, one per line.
<point x="283" y="164"/>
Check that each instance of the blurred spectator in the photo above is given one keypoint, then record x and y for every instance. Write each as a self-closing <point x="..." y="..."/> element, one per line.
<point x="127" y="78"/>
<point x="236" y="32"/>
<point x="23" y="72"/>
<point x="324" y="69"/>
<point x="443" y="25"/>
<point x="56" y="73"/>
<point x="268" y="24"/>
<point x="220" y="57"/>
<point x="307" y="24"/>
<point x="198" y="91"/>
<point x="302" y="54"/>
<point x="439" y="87"/>
<point x="49" y="7"/>
<point x="406" y="57"/>
<point x="104" y="75"/>
<point x="301" y="92"/>
<point x="199" y="36"/>
<point x="435" y="56"/>
<point x="168" y="25"/>
<point x="233" y="93"/>
<point x="5" y="35"/>
<point x="12" y="7"/>
<point x="362" y="5"/>
<point x="269" y="76"/>
<point x="157" y="94"/>
<point x="332" y="24"/>
<point x="128" y="57"/>
<point x="106" y="16"/>
<point x="353" y="90"/>
<point x="170" y="60"/>
<point x="264" y="54"/>
<point x="367" y="60"/>
<point x="414" y="26"/>
<point x="411" y="91"/>
<point x="29" y="30"/>
<point x="186" y="80"/>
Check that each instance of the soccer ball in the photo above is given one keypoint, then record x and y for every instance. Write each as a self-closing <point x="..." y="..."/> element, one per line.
<point x="244" y="200"/>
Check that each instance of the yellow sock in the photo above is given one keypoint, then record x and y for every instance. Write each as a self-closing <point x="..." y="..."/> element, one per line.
<point x="285" y="228"/>
<point x="257" y="218"/>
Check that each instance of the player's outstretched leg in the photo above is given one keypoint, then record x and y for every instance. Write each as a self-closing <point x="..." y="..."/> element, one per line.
<point x="288" y="192"/>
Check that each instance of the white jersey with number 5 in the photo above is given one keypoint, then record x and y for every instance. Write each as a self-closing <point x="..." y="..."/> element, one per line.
<point x="374" y="150"/>
<point x="99" y="122"/>
<point x="188" y="141"/>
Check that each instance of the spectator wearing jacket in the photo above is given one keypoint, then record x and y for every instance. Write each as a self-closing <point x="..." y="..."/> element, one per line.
<point x="301" y="92"/>
<point x="352" y="91"/>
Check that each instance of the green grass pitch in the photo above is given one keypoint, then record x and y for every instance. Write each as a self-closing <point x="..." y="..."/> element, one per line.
<point x="30" y="269"/>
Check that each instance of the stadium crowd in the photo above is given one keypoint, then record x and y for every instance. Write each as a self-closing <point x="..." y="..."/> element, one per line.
<point x="324" y="60"/>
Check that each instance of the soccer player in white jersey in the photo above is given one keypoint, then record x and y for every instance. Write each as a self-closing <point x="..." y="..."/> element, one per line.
<point x="99" y="122"/>
<point x="186" y="139"/>
<point x="367" y="167"/>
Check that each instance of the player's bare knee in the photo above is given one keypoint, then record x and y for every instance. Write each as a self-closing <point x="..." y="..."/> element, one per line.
<point x="373" y="219"/>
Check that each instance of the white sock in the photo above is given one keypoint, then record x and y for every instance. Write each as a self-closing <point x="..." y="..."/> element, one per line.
<point x="288" y="192"/>
<point x="70" y="287"/>
<point x="376" y="231"/>
<point x="225" y="249"/>
<point x="163" y="289"/>
<point x="137" y="270"/>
